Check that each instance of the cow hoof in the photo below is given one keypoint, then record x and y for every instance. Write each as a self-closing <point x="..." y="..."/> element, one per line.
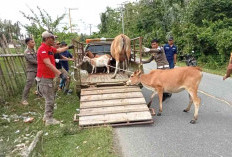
<point x="149" y="104"/>
<point x="185" y="110"/>
<point x="192" y="121"/>
<point x="158" y="114"/>
<point x="113" y="77"/>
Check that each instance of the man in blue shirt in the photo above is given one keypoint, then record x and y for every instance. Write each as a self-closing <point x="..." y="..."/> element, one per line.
<point x="65" y="65"/>
<point x="66" y="54"/>
<point x="170" y="51"/>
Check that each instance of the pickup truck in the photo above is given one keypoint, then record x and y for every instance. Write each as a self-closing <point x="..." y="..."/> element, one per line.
<point x="104" y="100"/>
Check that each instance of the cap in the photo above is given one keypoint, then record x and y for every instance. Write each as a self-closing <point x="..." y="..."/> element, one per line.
<point x="47" y="34"/>
<point x="170" y="38"/>
<point x="63" y="43"/>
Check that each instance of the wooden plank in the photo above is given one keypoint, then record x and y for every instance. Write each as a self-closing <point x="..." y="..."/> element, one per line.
<point x="112" y="87"/>
<point x="104" y="78"/>
<point x="113" y="110"/>
<point x="115" y="102"/>
<point x="111" y="96"/>
<point x="114" y="118"/>
<point x="109" y="91"/>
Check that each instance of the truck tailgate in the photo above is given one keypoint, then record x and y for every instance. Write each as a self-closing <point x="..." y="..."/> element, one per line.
<point x="115" y="105"/>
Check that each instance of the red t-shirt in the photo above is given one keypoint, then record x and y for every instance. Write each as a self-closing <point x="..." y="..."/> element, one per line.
<point x="45" y="51"/>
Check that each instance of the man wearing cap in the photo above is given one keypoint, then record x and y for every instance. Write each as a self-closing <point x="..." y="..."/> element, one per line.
<point x="170" y="51"/>
<point x="31" y="59"/>
<point x="46" y="72"/>
<point x="159" y="56"/>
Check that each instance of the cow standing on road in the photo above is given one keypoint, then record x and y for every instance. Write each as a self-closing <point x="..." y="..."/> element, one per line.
<point x="183" y="78"/>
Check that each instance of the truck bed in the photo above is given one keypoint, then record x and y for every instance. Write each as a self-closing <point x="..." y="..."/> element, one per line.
<point x="104" y="79"/>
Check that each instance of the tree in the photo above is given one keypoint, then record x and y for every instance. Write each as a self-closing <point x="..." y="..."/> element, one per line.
<point x="10" y="31"/>
<point x="40" y="23"/>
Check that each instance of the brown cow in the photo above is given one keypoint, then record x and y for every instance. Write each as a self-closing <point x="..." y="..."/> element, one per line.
<point x="121" y="51"/>
<point x="91" y="55"/>
<point x="171" y="81"/>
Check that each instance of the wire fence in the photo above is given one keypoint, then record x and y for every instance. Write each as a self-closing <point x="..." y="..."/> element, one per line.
<point x="12" y="68"/>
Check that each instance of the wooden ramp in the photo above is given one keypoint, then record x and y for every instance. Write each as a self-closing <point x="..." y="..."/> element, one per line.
<point x="115" y="105"/>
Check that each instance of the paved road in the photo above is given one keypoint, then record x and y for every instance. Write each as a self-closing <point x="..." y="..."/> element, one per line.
<point x="173" y="136"/>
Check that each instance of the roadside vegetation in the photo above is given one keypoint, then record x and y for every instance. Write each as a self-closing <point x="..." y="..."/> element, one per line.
<point x="66" y="139"/>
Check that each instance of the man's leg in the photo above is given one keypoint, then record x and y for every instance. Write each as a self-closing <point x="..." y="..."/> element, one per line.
<point x="67" y="82"/>
<point x="171" y="64"/>
<point x="29" y="82"/>
<point x="47" y="89"/>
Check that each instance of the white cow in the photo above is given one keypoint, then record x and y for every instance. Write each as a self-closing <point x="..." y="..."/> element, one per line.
<point x="102" y="61"/>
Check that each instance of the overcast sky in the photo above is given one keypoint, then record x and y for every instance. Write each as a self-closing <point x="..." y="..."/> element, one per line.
<point x="88" y="11"/>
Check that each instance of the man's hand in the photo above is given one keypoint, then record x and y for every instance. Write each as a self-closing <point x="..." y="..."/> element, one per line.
<point x="57" y="60"/>
<point x="63" y="76"/>
<point x="71" y="47"/>
<point x="145" y="49"/>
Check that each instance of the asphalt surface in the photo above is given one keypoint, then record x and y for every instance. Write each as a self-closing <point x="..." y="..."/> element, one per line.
<point x="172" y="135"/>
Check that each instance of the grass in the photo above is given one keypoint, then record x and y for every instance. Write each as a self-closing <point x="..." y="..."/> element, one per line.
<point x="66" y="140"/>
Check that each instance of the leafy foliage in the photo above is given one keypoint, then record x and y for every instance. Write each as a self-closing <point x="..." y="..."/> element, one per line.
<point x="10" y="30"/>
<point x="201" y="26"/>
<point x="41" y="21"/>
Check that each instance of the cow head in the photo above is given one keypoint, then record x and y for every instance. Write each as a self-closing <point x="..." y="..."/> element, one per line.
<point x="86" y="59"/>
<point x="134" y="78"/>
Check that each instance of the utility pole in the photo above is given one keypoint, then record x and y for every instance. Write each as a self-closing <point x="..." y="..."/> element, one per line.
<point x="122" y="21"/>
<point x="90" y="26"/>
<point x="121" y="8"/>
<point x="70" y="20"/>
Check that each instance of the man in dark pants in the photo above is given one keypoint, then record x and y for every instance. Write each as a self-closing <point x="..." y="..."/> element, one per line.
<point x="31" y="61"/>
<point x="170" y="51"/>
<point x="159" y="56"/>
<point x="46" y="72"/>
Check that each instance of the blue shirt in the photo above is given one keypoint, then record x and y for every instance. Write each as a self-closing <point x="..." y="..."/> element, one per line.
<point x="65" y="63"/>
<point x="169" y="52"/>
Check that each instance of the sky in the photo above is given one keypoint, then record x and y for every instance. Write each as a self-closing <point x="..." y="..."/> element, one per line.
<point x="84" y="13"/>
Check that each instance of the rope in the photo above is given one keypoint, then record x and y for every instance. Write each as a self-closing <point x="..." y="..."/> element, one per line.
<point x="120" y="69"/>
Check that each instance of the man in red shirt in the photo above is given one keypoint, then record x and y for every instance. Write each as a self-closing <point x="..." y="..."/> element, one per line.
<point x="46" y="72"/>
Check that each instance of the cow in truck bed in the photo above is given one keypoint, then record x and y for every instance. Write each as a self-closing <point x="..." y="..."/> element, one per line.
<point x="121" y="51"/>
<point x="171" y="81"/>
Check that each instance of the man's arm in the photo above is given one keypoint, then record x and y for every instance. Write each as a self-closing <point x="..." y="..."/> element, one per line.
<point x="149" y="60"/>
<point x="48" y="63"/>
<point x="155" y="50"/>
<point x="67" y="59"/>
<point x="59" y="50"/>
<point x="174" y="58"/>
